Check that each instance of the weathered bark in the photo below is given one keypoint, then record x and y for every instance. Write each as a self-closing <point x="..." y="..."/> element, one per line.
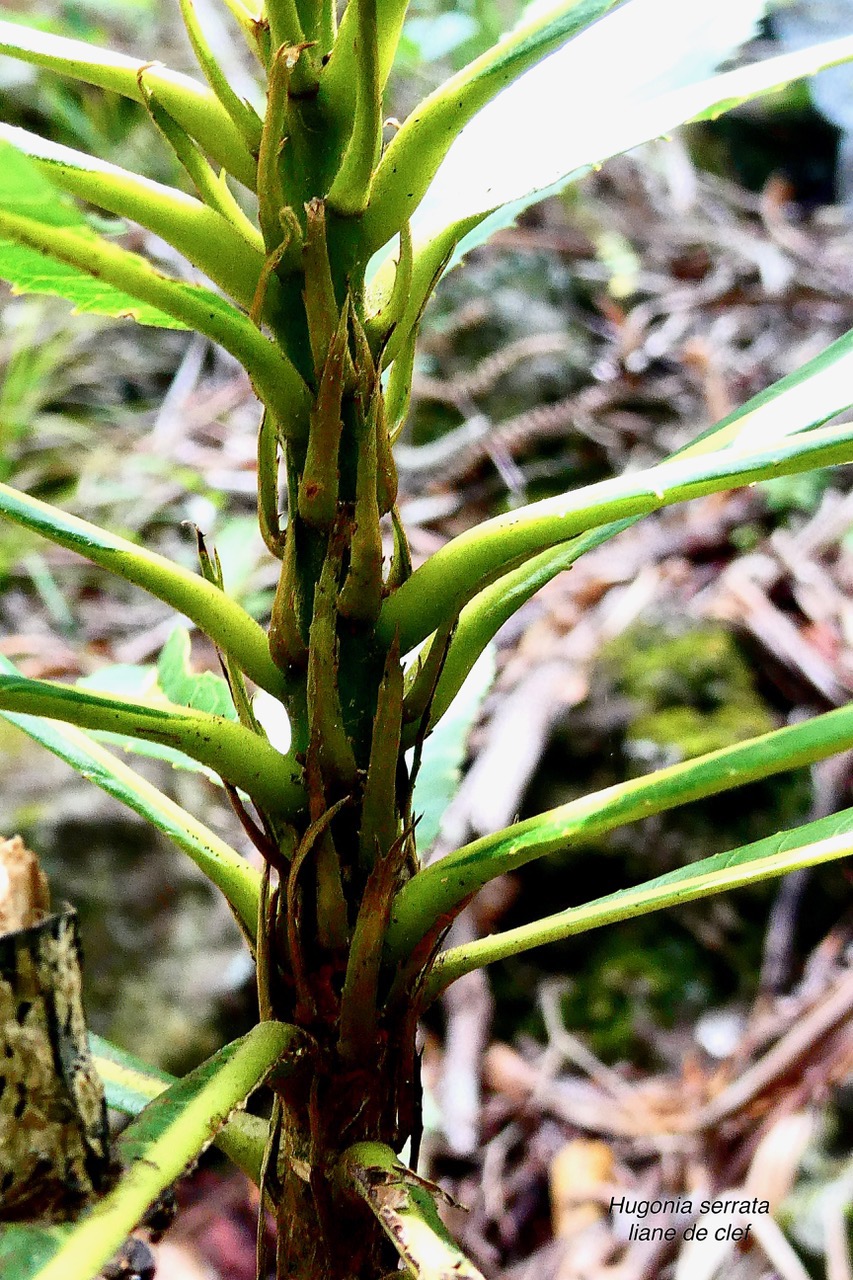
<point x="54" y="1145"/>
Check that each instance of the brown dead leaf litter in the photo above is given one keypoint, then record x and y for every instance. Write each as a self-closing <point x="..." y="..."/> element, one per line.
<point x="560" y="1128"/>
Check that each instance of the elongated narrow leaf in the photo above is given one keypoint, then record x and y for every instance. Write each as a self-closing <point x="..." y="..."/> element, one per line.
<point x="405" y="1208"/>
<point x="208" y="240"/>
<point x="824" y="841"/>
<point x="444" y="751"/>
<point x="127" y="743"/>
<point x="814" y="393"/>
<point x="446" y="883"/>
<point x="215" y="613"/>
<point x="170" y="682"/>
<point x="637" y="74"/>
<point x="25" y="191"/>
<point x="237" y="754"/>
<point x="275" y="379"/>
<point x="439" y="589"/>
<point x="130" y="1084"/>
<point x="558" y="118"/>
<point x="223" y="866"/>
<point x="155" y="1148"/>
<point x="190" y="103"/>
<point x="140" y="684"/>
<point x="417" y="150"/>
<point x="612" y="97"/>
<point x="705" y="100"/>
<point x="481" y="620"/>
<point x="442" y="886"/>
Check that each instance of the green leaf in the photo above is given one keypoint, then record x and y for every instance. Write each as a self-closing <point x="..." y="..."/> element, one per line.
<point x="349" y="192"/>
<point x="616" y="88"/>
<point x="25" y="191"/>
<point x="155" y="1149"/>
<point x="202" y="690"/>
<point x="342" y="70"/>
<point x="191" y="104"/>
<point x="414" y="155"/>
<point x="124" y="679"/>
<point x="241" y="112"/>
<point x="223" y="866"/>
<point x="221" y="618"/>
<point x="51" y="244"/>
<point x="807" y="846"/>
<point x="237" y="754"/>
<point x="803" y="399"/>
<point x="404" y="1205"/>
<point x="444" y="751"/>
<point x="206" y="238"/>
<point x="141" y="683"/>
<point x="438" y="590"/>
<point x="156" y="751"/>
<point x="481" y="619"/>
<point x="439" y="888"/>
<point x="130" y="1084"/>
<point x="624" y="89"/>
<point x="172" y="682"/>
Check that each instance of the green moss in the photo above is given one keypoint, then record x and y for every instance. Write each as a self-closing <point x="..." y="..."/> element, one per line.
<point x="679" y="733"/>
<point x="660" y="667"/>
<point x="628" y="989"/>
<point x="690" y="691"/>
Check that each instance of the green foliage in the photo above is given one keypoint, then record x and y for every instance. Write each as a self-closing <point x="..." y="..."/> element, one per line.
<point x="173" y="1129"/>
<point x="25" y="193"/>
<point x="631" y="982"/>
<point x="325" y="292"/>
<point x="204" y="691"/>
<point x="444" y="751"/>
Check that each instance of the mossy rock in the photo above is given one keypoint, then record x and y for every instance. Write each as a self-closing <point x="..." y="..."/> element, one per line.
<point x="659" y="666"/>
<point x="690" y="690"/>
<point x="680" y="733"/>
